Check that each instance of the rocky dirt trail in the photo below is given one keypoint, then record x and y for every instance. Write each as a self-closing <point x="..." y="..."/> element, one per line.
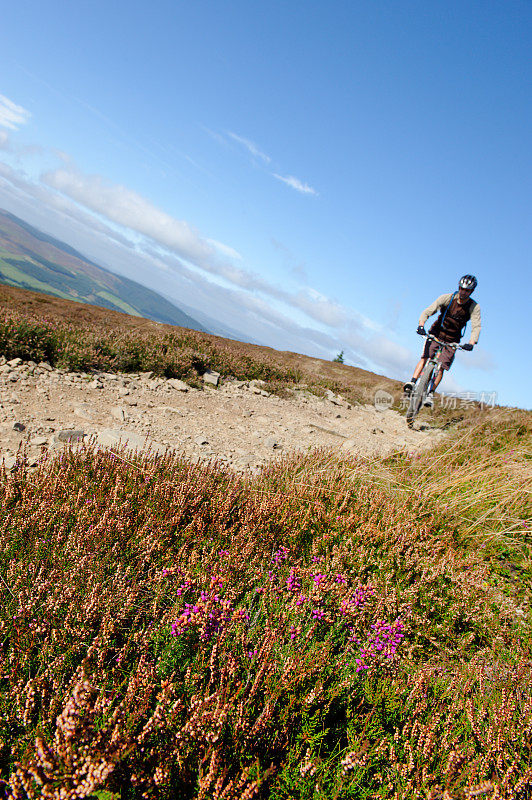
<point x="237" y="423"/>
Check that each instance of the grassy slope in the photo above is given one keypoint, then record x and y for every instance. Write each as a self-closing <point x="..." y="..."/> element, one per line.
<point x="261" y="686"/>
<point x="134" y="343"/>
<point x="260" y="692"/>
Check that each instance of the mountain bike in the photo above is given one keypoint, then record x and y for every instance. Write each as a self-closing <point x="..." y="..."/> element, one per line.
<point x="424" y="383"/>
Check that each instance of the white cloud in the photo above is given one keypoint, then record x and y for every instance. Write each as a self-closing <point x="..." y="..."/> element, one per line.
<point x="129" y="209"/>
<point x="165" y="241"/>
<point x="28" y="192"/>
<point x="4" y="140"/>
<point x="321" y="308"/>
<point x="230" y="252"/>
<point x="450" y="385"/>
<point x="250" y="146"/>
<point x="295" y="183"/>
<point x="11" y="115"/>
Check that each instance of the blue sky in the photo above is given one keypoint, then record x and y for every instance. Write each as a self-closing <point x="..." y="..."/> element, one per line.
<point x="313" y="175"/>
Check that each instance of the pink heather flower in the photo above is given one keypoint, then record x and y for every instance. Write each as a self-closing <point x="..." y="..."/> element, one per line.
<point x="280" y="555"/>
<point x="292" y="584"/>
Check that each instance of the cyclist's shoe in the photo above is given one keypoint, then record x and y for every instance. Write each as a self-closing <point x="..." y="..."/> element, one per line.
<point x="409" y="387"/>
<point x="429" y="400"/>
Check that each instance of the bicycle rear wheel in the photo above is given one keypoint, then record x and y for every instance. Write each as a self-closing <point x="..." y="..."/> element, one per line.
<point x="418" y="395"/>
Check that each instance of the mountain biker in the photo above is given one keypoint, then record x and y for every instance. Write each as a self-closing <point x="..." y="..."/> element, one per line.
<point x="455" y="311"/>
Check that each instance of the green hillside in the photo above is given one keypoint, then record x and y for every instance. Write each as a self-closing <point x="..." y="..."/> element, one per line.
<point x="30" y="259"/>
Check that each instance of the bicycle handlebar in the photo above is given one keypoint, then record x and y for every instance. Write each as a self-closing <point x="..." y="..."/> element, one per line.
<point x="454" y="345"/>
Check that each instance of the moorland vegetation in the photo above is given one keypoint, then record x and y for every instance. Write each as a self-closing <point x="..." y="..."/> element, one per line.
<point x="330" y="628"/>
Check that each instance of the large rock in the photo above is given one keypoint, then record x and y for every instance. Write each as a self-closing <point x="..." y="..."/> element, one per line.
<point x="84" y="413"/>
<point x="39" y="441"/>
<point x="107" y="437"/>
<point x="9" y="462"/>
<point x="69" y="436"/>
<point x="175" y="383"/>
<point x="332" y="397"/>
<point x="119" y="413"/>
<point x="212" y="378"/>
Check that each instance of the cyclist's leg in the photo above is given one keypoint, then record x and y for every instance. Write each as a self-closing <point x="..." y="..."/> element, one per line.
<point x="437" y="379"/>
<point x="446" y="359"/>
<point x="419" y="368"/>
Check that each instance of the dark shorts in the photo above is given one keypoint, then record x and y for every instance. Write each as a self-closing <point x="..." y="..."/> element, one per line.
<point x="446" y="357"/>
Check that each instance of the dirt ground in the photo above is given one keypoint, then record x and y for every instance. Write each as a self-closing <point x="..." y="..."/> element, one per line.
<point x="237" y="423"/>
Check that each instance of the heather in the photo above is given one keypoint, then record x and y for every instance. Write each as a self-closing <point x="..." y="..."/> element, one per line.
<point x="83" y="338"/>
<point x="329" y="628"/>
<point x="86" y="338"/>
<point x="173" y="353"/>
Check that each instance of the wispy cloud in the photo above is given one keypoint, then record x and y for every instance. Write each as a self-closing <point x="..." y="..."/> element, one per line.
<point x="295" y="183"/>
<point x="129" y="209"/>
<point x="321" y="308"/>
<point x="126" y="208"/>
<point x="230" y="252"/>
<point x="86" y="204"/>
<point x="11" y="115"/>
<point x="255" y="151"/>
<point x="250" y="146"/>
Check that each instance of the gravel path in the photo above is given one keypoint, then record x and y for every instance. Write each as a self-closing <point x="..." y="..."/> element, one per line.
<point x="238" y="423"/>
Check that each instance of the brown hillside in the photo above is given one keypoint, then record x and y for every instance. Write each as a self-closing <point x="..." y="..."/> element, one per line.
<point x="355" y="381"/>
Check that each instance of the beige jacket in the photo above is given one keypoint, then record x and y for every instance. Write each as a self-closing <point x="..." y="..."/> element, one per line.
<point x="442" y="302"/>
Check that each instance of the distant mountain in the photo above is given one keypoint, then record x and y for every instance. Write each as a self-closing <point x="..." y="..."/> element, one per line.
<point x="218" y="328"/>
<point x="31" y="259"/>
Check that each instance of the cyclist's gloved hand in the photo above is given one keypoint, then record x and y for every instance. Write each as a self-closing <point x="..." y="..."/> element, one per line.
<point x="421" y="330"/>
<point x="467" y="347"/>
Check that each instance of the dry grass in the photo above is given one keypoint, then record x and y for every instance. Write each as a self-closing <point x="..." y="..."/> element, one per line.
<point x="171" y="630"/>
<point x="87" y="337"/>
<point x="332" y="628"/>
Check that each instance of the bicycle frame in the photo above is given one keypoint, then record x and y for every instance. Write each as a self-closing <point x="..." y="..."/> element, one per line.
<point x="425" y="381"/>
<point x="434" y="360"/>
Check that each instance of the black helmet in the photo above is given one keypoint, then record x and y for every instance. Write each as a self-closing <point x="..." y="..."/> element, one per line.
<point x="468" y="282"/>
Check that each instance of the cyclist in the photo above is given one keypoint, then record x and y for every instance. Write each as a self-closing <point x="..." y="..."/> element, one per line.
<point x="455" y="311"/>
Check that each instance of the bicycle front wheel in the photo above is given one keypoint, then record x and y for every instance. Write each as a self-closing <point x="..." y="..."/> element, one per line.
<point x="418" y="395"/>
